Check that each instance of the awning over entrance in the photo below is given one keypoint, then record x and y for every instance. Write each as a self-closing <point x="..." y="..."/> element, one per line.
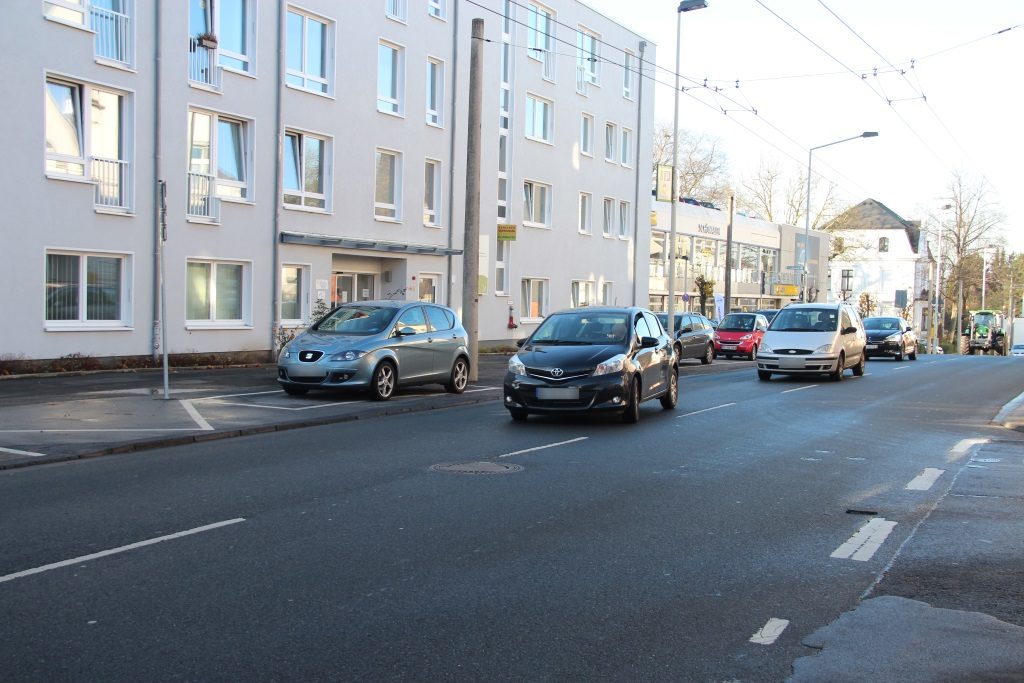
<point x="372" y="245"/>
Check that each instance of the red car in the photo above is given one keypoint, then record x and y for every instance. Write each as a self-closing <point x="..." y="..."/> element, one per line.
<point x="740" y="334"/>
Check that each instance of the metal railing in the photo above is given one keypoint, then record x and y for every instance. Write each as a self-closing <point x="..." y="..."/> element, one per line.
<point x="202" y="64"/>
<point x="202" y="196"/>
<point x="548" y="58"/>
<point x="113" y="34"/>
<point x="582" y="79"/>
<point x="113" y="183"/>
<point x="396" y="8"/>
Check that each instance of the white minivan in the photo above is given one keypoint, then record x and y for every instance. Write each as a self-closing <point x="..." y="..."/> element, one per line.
<point x="807" y="339"/>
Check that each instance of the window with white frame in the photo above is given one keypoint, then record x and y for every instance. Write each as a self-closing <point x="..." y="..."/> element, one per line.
<point x="626" y="147"/>
<point x="502" y="257"/>
<point x="536" y="204"/>
<point x="503" y="184"/>
<point x="608" y="226"/>
<point x="113" y="22"/>
<point x="533" y="300"/>
<point x="588" y="58"/>
<point x="307" y="177"/>
<point x="217" y="292"/>
<point x="624" y="219"/>
<point x="310" y="52"/>
<point x="607" y="294"/>
<point x="540" y="37"/>
<point x="429" y="289"/>
<point x="629" y="75"/>
<point x="294" y="293"/>
<point x="611" y="136"/>
<point x="586" y="204"/>
<point x="88" y="134"/>
<point x="390" y="77"/>
<point x="388" y="185"/>
<point x="539" y="117"/>
<point x="432" y="193"/>
<point x="219" y="157"/>
<point x="236" y="34"/>
<point x="587" y="135"/>
<point x="66" y="11"/>
<point x="583" y="293"/>
<point x="396" y="9"/>
<point x="435" y="91"/>
<point x="87" y="289"/>
<point x="437" y="8"/>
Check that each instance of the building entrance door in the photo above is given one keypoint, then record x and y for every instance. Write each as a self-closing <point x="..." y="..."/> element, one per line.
<point x="347" y="287"/>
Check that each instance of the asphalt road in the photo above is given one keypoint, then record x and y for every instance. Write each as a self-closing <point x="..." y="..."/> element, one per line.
<point x="655" y="551"/>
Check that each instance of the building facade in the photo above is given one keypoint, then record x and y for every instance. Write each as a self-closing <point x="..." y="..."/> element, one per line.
<point x="220" y="170"/>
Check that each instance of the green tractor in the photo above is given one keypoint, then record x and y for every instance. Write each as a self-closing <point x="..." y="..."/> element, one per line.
<point x="985" y="333"/>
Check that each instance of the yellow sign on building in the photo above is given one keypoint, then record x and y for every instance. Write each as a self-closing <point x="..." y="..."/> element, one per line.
<point x="787" y="290"/>
<point x="507" y="232"/>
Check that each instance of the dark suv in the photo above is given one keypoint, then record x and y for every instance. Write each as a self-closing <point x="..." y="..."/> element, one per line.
<point x="695" y="336"/>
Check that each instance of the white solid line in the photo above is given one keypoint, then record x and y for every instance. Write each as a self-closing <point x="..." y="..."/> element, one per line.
<point x="194" y="414"/>
<point x="790" y="391"/>
<point x="113" y="551"/>
<point x="251" y="393"/>
<point x="863" y="544"/>
<point x="924" y="481"/>
<point x="15" y="451"/>
<point x="270" y="407"/>
<point x="966" y="445"/>
<point x="540" y="448"/>
<point x="724" y="405"/>
<point x="473" y="391"/>
<point x="92" y="431"/>
<point x="770" y="632"/>
<point x="902" y="367"/>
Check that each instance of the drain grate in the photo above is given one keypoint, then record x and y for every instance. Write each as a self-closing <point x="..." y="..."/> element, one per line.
<point x="477" y="467"/>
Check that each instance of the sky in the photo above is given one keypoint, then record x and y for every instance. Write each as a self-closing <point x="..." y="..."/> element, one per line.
<point x="946" y="97"/>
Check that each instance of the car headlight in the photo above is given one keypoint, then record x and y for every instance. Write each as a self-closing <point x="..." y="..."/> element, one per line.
<point x="348" y="355"/>
<point x="764" y="349"/>
<point x="824" y="348"/>
<point x="717" y="338"/>
<point x="613" y="364"/>
<point x="286" y="353"/>
<point x="515" y="366"/>
<point x="746" y="337"/>
<point x="895" y="336"/>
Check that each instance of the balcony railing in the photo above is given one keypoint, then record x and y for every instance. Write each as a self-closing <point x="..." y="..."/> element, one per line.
<point x="113" y="183"/>
<point x="548" y="58"/>
<point x="202" y="64"/>
<point x="202" y="197"/>
<point x="113" y="34"/>
<point x="582" y="79"/>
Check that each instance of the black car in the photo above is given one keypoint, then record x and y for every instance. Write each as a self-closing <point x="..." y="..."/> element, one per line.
<point x="593" y="359"/>
<point x="768" y="313"/>
<point x="892" y="337"/>
<point x="695" y="336"/>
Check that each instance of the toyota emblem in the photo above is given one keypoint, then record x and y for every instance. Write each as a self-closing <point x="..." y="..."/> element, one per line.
<point x="556" y="372"/>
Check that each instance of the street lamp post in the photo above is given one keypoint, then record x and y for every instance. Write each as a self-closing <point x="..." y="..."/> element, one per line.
<point x="807" y="217"/>
<point x="936" y="325"/>
<point x="684" y="6"/>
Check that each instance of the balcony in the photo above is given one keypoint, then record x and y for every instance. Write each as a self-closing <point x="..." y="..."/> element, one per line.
<point x="113" y="184"/>
<point x="582" y="80"/>
<point x="203" y="203"/>
<point x="203" y="69"/>
<point x="113" y="35"/>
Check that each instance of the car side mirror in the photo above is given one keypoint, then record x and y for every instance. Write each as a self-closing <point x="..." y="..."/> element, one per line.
<point x="852" y="329"/>
<point x="686" y="330"/>
<point x="405" y="331"/>
<point x="648" y="342"/>
<point x="520" y="342"/>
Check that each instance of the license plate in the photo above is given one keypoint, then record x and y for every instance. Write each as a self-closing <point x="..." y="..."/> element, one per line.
<point x="791" y="363"/>
<point x="558" y="393"/>
<point x="871" y="347"/>
<point x="728" y="347"/>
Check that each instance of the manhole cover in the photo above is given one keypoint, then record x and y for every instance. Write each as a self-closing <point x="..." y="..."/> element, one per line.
<point x="481" y="467"/>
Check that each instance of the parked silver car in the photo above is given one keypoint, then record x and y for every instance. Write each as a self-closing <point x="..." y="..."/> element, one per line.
<point x="378" y="346"/>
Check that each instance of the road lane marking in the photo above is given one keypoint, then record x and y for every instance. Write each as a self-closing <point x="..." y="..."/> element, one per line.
<point x="863" y="544"/>
<point x="966" y="445"/>
<point x="770" y="632"/>
<point x="790" y="391"/>
<point x="194" y="414"/>
<point x="540" y="448"/>
<point x="724" y="405"/>
<point x="121" y="549"/>
<point x="15" y="451"/>
<point x="925" y="480"/>
<point x="902" y="367"/>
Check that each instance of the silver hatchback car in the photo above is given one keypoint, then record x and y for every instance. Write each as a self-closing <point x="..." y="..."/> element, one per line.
<point x="377" y="346"/>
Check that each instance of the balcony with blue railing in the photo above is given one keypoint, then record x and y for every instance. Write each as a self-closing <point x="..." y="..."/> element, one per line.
<point x="203" y="203"/>
<point x="203" y="69"/>
<point x="114" y="35"/>
<point x="113" y="184"/>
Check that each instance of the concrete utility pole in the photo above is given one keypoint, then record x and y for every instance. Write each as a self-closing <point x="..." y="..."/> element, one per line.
<point x="728" y="255"/>
<point x="471" y="250"/>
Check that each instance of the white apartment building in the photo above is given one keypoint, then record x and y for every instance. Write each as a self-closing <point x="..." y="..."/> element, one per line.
<point x="253" y="159"/>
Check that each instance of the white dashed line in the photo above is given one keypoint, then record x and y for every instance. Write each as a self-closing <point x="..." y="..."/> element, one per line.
<point x="15" y="451"/>
<point x="966" y="445"/>
<point x="697" y="412"/>
<point x="540" y="448"/>
<point x="770" y="632"/>
<point x="863" y="544"/>
<point x="924" y="481"/>
<point x="790" y="391"/>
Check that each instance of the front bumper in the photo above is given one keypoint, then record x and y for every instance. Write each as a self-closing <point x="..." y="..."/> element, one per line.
<point x="324" y="374"/>
<point x="812" y="364"/>
<point x="883" y="348"/>
<point x="582" y="395"/>
<point x="740" y="347"/>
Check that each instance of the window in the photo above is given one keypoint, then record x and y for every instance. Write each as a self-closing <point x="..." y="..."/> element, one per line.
<point x="67" y="11"/>
<point x="428" y="291"/>
<point x="396" y="9"/>
<point x="437" y="8"/>
<point x="435" y="91"/>
<point x="294" y="295"/>
<point x="236" y="36"/>
<point x="215" y="292"/>
<point x="538" y="118"/>
<point x="501" y="265"/>
<point x="310" y="52"/>
<point x="87" y="288"/>
<point x="583" y="293"/>
<point x="608" y="226"/>
<point x="607" y="298"/>
<point x="586" y="202"/>
<point x="306" y="175"/>
<point x="629" y="75"/>
<point x="883" y="244"/>
<point x="536" y="204"/>
<point x="846" y="283"/>
<point x="900" y="298"/>
<point x="415" y="319"/>
<point x="588" y="60"/>
<point x="540" y="37"/>
<point x="219" y="161"/>
<point x="87" y="135"/>
<point x="432" y="193"/>
<point x="203" y="66"/>
<point x="503" y="185"/>
<point x="624" y="220"/>
<point x="534" y="300"/>
<point x="611" y="134"/>
<point x="388" y="186"/>
<point x="626" y="148"/>
<point x="587" y="135"/>
<point x="440" y="319"/>
<point x="390" y="67"/>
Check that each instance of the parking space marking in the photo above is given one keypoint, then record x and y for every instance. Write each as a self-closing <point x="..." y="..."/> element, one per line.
<point x="121" y="549"/>
<point x="697" y="412"/>
<point x="194" y="414"/>
<point x="770" y="632"/>
<point x="541" y="448"/>
<point x="902" y="367"/>
<point x="15" y="451"/>
<point x="965" y="445"/>
<point x="925" y="480"/>
<point x="790" y="391"/>
<point x="863" y="544"/>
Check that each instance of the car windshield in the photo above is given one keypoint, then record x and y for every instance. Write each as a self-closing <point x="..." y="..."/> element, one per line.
<point x="737" y="323"/>
<point x="663" y="317"/>
<point x="806" y="320"/>
<point x="582" y="328"/>
<point x="357" y="320"/>
<point x="884" y="324"/>
<point x="987" y="319"/>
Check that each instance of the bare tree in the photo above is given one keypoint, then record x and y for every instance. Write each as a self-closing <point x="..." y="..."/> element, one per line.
<point x="703" y="166"/>
<point x="775" y="196"/>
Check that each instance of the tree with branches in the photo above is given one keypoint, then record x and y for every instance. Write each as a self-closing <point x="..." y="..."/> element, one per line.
<point x="703" y="171"/>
